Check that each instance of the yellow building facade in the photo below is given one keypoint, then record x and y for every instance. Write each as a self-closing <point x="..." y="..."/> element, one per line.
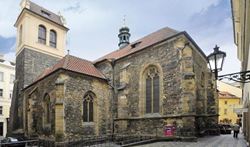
<point x="227" y="105"/>
<point x="27" y="30"/>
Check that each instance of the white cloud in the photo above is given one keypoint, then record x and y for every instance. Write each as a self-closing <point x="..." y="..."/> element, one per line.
<point x="8" y="14"/>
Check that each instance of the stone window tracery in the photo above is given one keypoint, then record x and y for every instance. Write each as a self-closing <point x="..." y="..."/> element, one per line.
<point x="152" y="90"/>
<point x="88" y="107"/>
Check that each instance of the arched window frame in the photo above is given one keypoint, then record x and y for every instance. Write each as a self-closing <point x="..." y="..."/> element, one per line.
<point x="53" y="38"/>
<point x="88" y="107"/>
<point x="152" y="90"/>
<point x="47" y="109"/>
<point x="142" y="92"/>
<point x="42" y="34"/>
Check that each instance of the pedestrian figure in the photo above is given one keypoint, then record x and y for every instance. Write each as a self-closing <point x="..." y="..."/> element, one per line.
<point x="236" y="129"/>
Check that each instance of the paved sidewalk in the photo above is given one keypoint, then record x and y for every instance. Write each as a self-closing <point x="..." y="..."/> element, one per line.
<point x="210" y="141"/>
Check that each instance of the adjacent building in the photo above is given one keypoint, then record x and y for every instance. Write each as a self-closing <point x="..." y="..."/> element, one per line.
<point x="233" y="88"/>
<point x="159" y="80"/>
<point x="227" y="105"/>
<point x="7" y="76"/>
<point x="241" y="23"/>
<point x="229" y="102"/>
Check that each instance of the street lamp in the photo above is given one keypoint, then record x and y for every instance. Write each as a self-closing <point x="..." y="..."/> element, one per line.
<point x="216" y="60"/>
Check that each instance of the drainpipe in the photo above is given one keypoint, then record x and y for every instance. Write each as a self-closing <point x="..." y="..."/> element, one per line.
<point x="114" y="91"/>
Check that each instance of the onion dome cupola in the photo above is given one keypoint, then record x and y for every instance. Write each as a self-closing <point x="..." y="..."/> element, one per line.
<point x="123" y="37"/>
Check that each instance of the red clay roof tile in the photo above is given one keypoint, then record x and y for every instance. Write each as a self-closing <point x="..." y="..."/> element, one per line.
<point x="74" y="64"/>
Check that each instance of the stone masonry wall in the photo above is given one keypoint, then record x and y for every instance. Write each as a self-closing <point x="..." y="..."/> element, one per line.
<point x="130" y="105"/>
<point x="70" y="98"/>
<point x="34" y="109"/>
<point x="76" y="87"/>
<point x="166" y="58"/>
<point x="29" y="65"/>
<point x="182" y="84"/>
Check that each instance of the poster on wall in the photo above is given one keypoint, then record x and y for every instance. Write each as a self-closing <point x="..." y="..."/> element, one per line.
<point x="169" y="130"/>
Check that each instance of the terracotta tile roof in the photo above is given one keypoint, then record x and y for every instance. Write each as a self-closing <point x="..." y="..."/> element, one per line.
<point x="224" y="94"/>
<point x="74" y="64"/>
<point x="140" y="44"/>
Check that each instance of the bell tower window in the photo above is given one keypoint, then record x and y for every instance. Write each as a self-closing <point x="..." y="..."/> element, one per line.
<point x="53" y="37"/>
<point x="42" y="34"/>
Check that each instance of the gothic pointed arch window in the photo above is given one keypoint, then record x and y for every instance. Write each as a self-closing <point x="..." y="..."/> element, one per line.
<point x="53" y="37"/>
<point x="88" y="107"/>
<point x="42" y="34"/>
<point x="47" y="109"/>
<point x="152" y="90"/>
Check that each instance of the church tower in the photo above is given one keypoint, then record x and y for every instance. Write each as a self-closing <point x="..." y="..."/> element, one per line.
<point x="41" y="42"/>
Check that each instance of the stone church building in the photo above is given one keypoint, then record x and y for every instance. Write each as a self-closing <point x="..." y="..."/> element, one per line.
<point x="159" y="80"/>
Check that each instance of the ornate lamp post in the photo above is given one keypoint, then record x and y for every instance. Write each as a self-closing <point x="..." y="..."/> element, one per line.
<point x="216" y="60"/>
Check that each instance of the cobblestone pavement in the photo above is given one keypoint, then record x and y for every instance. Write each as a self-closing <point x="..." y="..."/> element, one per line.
<point x="211" y="141"/>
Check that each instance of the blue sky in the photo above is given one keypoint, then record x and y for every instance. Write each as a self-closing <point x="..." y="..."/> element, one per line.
<point x="94" y="24"/>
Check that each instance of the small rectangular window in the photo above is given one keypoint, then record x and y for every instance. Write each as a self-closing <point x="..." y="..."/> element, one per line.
<point x="1" y="93"/>
<point x="45" y="14"/>
<point x="225" y="102"/>
<point x="1" y="110"/>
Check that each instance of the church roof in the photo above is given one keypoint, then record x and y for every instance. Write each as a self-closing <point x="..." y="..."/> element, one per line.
<point x="140" y="44"/>
<point x="38" y="10"/>
<point x="42" y="12"/>
<point x="75" y="64"/>
<point x="149" y="40"/>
